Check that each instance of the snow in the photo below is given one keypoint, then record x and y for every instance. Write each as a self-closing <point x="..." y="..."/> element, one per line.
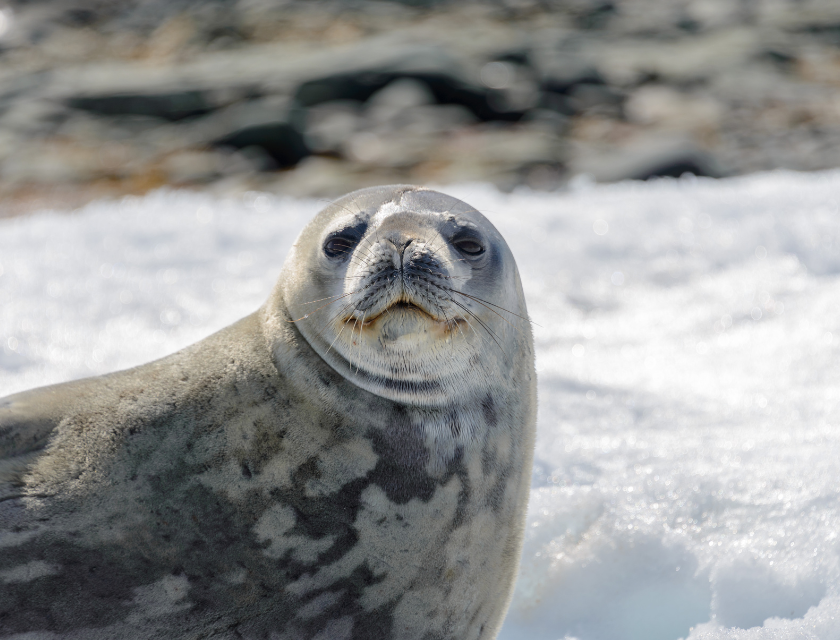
<point x="687" y="332"/>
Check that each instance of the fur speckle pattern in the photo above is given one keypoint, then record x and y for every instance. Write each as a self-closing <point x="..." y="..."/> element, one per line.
<point x="351" y="461"/>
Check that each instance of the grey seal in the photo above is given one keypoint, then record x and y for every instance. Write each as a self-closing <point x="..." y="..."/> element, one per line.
<point x="351" y="461"/>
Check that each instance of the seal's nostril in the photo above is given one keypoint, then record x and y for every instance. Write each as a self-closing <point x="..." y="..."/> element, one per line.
<point x="400" y="243"/>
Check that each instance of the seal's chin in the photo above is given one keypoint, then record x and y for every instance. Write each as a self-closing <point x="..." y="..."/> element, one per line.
<point x="398" y="353"/>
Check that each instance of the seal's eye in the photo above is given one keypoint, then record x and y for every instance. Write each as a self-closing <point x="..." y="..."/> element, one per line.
<point x="339" y="246"/>
<point x="470" y="247"/>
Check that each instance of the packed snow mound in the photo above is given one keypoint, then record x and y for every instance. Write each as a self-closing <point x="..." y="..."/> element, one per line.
<point x="687" y="331"/>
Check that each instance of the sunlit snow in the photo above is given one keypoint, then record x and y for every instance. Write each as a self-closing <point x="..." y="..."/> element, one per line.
<point x="687" y="477"/>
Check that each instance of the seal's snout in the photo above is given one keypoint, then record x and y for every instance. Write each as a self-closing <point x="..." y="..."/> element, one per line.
<point x="401" y="267"/>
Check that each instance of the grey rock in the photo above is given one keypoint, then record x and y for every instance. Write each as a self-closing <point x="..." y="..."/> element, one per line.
<point x="330" y="124"/>
<point x="648" y="157"/>
<point x="401" y="94"/>
<point x="586" y="97"/>
<point x="193" y="166"/>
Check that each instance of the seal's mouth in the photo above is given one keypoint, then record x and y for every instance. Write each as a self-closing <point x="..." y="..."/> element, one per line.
<point x="400" y="308"/>
<point x="405" y="306"/>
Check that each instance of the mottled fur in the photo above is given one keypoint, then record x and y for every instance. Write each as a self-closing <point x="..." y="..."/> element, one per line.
<point x="258" y="485"/>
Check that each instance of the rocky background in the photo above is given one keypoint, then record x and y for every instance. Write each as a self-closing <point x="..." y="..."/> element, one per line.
<point x="317" y="97"/>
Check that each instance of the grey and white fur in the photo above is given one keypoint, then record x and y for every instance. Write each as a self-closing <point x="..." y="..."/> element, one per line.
<point x="351" y="461"/>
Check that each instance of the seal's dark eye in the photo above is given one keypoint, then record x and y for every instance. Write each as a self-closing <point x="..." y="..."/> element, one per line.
<point x="470" y="247"/>
<point x="339" y="246"/>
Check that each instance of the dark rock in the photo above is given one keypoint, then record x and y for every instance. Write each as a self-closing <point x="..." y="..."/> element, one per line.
<point x="445" y="86"/>
<point x="676" y="166"/>
<point x="173" y="106"/>
<point x="596" y="16"/>
<point x="586" y="97"/>
<point x="79" y="17"/>
<point x="689" y="25"/>
<point x="264" y="130"/>
<point x="783" y="60"/>
<point x="827" y="32"/>
<point x="563" y="73"/>
<point x="281" y="141"/>
<point x="562" y="104"/>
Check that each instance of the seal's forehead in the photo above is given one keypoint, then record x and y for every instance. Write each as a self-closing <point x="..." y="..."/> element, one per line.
<point x="423" y="200"/>
<point x="373" y="206"/>
<point x="436" y="206"/>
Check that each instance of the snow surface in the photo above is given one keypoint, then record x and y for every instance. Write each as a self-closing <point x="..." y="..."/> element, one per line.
<point x="687" y="331"/>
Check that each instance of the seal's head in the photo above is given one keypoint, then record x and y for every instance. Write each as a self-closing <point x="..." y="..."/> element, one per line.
<point x="408" y="293"/>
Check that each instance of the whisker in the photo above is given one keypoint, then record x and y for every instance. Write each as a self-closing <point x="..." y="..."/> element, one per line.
<point x="331" y="320"/>
<point x="489" y="308"/>
<point x="479" y="321"/>
<point x="334" y="301"/>
<point x="339" y="296"/>
<point x="343" y="326"/>
<point x="322" y="306"/>
<point x="476" y="333"/>
<point x="485" y="302"/>
<point x="361" y="326"/>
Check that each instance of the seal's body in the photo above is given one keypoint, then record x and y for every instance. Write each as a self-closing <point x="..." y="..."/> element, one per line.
<point x="351" y="461"/>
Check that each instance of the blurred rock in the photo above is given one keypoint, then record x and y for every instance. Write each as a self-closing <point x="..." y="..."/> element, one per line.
<point x="397" y="95"/>
<point x="562" y="72"/>
<point x="192" y="167"/>
<point x="589" y="97"/>
<point x="319" y="96"/>
<point x="279" y="141"/>
<point x="56" y="161"/>
<point x="166" y="106"/>
<point x="435" y="74"/>
<point x="263" y="129"/>
<point x="31" y="117"/>
<point x="330" y="178"/>
<point x="645" y="157"/>
<point x="329" y="125"/>
<point x="500" y="154"/>
<point x="666" y="107"/>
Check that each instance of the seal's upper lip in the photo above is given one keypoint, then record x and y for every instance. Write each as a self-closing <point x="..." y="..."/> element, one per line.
<point x="401" y="305"/>
<point x="398" y="305"/>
